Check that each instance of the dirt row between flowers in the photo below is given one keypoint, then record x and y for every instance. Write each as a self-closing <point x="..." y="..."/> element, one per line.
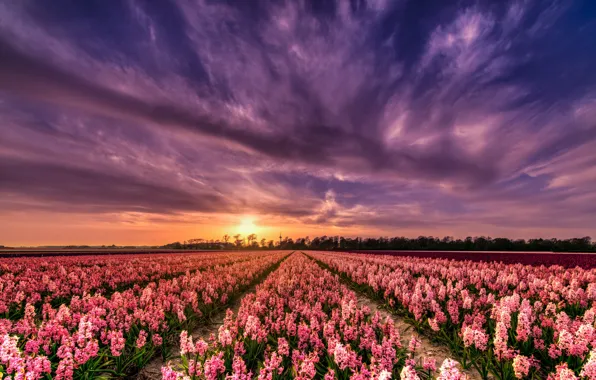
<point x="152" y="371"/>
<point x="428" y="348"/>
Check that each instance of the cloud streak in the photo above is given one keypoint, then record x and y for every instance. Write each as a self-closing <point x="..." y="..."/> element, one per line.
<point x="376" y="114"/>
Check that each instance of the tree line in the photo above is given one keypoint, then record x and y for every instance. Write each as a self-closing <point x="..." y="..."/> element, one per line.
<point x="430" y="243"/>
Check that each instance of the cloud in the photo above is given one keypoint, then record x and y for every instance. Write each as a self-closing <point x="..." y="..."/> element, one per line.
<point x="36" y="80"/>
<point x="442" y="115"/>
<point x="99" y="191"/>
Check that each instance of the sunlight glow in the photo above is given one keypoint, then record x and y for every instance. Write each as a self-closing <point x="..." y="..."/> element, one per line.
<point x="247" y="226"/>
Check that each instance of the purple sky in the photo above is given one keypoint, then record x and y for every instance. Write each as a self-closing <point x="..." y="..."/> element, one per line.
<point x="148" y="122"/>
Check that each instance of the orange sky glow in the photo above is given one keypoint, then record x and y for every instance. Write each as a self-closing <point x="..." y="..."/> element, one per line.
<point x="136" y="229"/>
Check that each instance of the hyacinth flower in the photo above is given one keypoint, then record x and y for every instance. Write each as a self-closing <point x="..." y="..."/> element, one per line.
<point x="506" y="320"/>
<point x="302" y="323"/>
<point x="55" y="280"/>
<point x="115" y="333"/>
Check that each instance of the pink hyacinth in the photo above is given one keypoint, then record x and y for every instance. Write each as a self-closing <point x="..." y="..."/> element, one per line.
<point x="344" y="356"/>
<point x="408" y="373"/>
<point x="186" y="344"/>
<point x="414" y="344"/>
<point x="214" y="367"/>
<point x="142" y="339"/>
<point x="589" y="369"/>
<point x="449" y="371"/>
<point x="521" y="366"/>
<point x="168" y="373"/>
<point x="475" y="337"/>
<point x="225" y="337"/>
<point x="562" y="373"/>
<point x="157" y="339"/>
<point x="239" y="370"/>
<point x="283" y="348"/>
<point x="117" y="342"/>
<point x="201" y="347"/>
<point x="330" y="375"/>
<point x="429" y="364"/>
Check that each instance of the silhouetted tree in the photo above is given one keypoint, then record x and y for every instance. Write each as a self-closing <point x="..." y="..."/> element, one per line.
<point x="238" y="240"/>
<point x="448" y="243"/>
<point x="251" y="238"/>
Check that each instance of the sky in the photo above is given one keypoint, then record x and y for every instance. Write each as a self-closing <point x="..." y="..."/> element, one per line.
<point x="151" y="122"/>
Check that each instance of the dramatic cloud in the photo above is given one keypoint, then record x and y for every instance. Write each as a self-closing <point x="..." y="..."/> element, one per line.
<point x="373" y="116"/>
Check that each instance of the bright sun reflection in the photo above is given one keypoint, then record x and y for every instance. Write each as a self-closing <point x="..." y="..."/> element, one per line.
<point x="247" y="226"/>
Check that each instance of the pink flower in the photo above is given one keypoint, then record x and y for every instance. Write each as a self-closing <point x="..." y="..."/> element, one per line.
<point x="272" y="365"/>
<point x="200" y="347"/>
<point x="475" y="337"/>
<point x="589" y="368"/>
<point x="142" y="339"/>
<point x="521" y="366"/>
<point x="186" y="344"/>
<point x="157" y="340"/>
<point x="434" y="325"/>
<point x="429" y="364"/>
<point x="214" y="366"/>
<point x="408" y="373"/>
<point x="524" y="321"/>
<point x="225" y="337"/>
<point x="239" y="370"/>
<point x="168" y="373"/>
<point x="449" y="371"/>
<point x="283" y="348"/>
<point x="344" y="356"/>
<point x="117" y="342"/>
<point x="330" y="375"/>
<point x="414" y="344"/>
<point x="563" y="373"/>
<point x="65" y="368"/>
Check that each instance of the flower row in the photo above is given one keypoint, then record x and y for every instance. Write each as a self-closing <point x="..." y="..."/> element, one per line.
<point x="508" y="320"/>
<point x="303" y="323"/>
<point x="115" y="335"/>
<point x="56" y="279"/>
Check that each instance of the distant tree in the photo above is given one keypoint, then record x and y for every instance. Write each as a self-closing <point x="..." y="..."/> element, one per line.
<point x="250" y="238"/>
<point x="480" y="243"/>
<point x="238" y="240"/>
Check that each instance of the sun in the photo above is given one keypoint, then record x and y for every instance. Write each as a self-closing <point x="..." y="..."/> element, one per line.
<point x="247" y="226"/>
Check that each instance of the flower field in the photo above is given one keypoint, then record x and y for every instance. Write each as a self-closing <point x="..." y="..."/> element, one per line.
<point x="91" y="317"/>
<point x="303" y="323"/>
<point x="508" y="321"/>
<point x="85" y="317"/>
